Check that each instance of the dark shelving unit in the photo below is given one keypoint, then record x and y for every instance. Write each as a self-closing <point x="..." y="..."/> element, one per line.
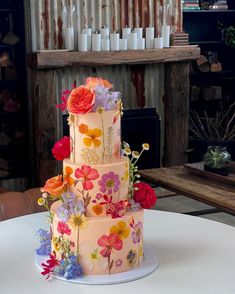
<point x="14" y="160"/>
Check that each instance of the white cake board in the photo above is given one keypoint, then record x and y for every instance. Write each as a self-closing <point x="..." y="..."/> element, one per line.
<point x="148" y="265"/>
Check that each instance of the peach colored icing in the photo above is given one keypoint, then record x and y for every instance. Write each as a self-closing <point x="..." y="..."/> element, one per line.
<point x="117" y="178"/>
<point x="95" y="137"/>
<point x="94" y="172"/>
<point x="85" y="239"/>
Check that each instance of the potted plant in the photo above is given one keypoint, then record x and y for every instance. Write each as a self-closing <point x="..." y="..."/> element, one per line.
<point x="217" y="131"/>
<point x="216" y="160"/>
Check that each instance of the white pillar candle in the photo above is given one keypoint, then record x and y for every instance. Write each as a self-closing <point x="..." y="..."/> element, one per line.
<point x="69" y="38"/>
<point x="158" y="43"/>
<point x="166" y="36"/>
<point x="123" y="44"/>
<point x="104" y="33"/>
<point x="105" y="44"/>
<point x="88" y="32"/>
<point x="125" y="33"/>
<point x="139" y="32"/>
<point x="149" y="37"/>
<point x="132" y="41"/>
<point x="96" y="42"/>
<point x="141" y="44"/>
<point x="114" y="41"/>
<point x="82" y="42"/>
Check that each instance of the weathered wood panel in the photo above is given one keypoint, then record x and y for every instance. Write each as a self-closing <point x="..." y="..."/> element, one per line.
<point x="176" y="103"/>
<point x="62" y="59"/>
<point x="45" y="124"/>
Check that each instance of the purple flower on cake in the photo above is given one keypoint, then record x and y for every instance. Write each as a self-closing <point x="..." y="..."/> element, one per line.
<point x="109" y="183"/>
<point x="70" y="206"/>
<point x="137" y="232"/>
<point x="62" y="213"/>
<point x="45" y="242"/>
<point x="105" y="99"/>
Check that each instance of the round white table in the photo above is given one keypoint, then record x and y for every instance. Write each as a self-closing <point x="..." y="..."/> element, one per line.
<point x="195" y="256"/>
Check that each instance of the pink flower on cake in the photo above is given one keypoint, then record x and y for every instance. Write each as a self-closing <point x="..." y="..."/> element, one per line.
<point x="109" y="183"/>
<point x="64" y="98"/>
<point x="54" y="186"/>
<point x="63" y="228"/>
<point x="145" y="195"/>
<point x="61" y="149"/>
<point x="81" y="100"/>
<point x="50" y="265"/>
<point x="87" y="174"/>
<point x="94" y="82"/>
<point x="109" y="243"/>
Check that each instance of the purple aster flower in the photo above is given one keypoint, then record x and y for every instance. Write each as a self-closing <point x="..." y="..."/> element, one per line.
<point x="109" y="183"/>
<point x="137" y="233"/>
<point x="134" y="206"/>
<point x="63" y="213"/>
<point x="105" y="99"/>
<point x="78" y="208"/>
<point x="69" y="198"/>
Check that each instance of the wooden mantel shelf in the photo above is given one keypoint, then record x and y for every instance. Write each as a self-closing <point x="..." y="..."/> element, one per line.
<point x="57" y="59"/>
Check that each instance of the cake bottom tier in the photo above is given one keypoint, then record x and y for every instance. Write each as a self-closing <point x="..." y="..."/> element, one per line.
<point x="103" y="245"/>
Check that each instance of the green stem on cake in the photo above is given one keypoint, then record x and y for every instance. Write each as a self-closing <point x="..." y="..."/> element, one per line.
<point x="109" y="264"/>
<point x="48" y="208"/>
<point x="102" y="124"/>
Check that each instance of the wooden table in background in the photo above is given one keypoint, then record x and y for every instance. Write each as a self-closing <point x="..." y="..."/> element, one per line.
<point x="179" y="180"/>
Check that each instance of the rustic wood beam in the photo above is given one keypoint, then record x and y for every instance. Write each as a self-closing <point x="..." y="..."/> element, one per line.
<point x="176" y="106"/>
<point x="52" y="59"/>
<point x="45" y="128"/>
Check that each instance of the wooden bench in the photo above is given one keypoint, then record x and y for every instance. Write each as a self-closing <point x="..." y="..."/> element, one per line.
<point x="180" y="181"/>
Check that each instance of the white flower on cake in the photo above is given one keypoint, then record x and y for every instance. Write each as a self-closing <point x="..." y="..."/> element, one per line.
<point x="89" y="257"/>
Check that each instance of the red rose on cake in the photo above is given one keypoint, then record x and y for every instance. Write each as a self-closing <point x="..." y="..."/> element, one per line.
<point x="81" y="100"/>
<point x="145" y="195"/>
<point x="61" y="149"/>
<point x="54" y="186"/>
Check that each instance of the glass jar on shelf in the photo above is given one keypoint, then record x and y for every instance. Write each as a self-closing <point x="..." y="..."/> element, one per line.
<point x="217" y="159"/>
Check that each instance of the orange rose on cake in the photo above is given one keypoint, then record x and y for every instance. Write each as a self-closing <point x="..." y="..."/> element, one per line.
<point x="93" y="82"/>
<point x="54" y="186"/>
<point x="81" y="100"/>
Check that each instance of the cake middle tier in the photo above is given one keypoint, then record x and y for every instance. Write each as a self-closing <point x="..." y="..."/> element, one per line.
<point x="92" y="182"/>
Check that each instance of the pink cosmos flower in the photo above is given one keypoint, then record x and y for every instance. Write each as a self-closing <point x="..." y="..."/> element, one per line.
<point x="87" y="174"/>
<point x="109" y="243"/>
<point x="109" y="183"/>
<point x="63" y="228"/>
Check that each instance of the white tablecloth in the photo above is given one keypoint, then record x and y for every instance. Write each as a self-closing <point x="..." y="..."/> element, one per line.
<point x="195" y="256"/>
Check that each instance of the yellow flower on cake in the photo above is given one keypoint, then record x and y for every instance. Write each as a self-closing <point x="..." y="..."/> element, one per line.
<point x="78" y="220"/>
<point x="92" y="137"/>
<point x="121" y="229"/>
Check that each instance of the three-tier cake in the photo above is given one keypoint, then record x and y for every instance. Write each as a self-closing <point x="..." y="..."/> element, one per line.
<point x="95" y="218"/>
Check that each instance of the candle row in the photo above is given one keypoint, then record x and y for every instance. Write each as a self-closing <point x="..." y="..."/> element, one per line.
<point x="104" y="41"/>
